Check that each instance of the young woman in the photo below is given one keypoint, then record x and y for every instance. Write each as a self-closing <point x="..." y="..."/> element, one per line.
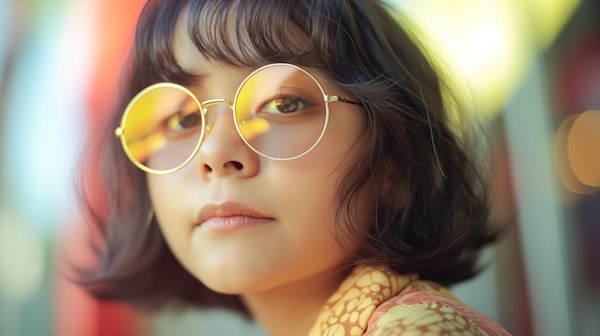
<point x="292" y="160"/>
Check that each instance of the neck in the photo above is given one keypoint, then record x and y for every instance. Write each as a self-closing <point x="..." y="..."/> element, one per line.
<point x="292" y="309"/>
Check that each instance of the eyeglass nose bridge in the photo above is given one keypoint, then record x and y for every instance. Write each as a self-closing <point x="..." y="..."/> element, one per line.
<point x="212" y="102"/>
<point x="205" y="105"/>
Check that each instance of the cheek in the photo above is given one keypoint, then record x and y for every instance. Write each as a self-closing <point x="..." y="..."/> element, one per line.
<point x="320" y="174"/>
<point x="312" y="197"/>
<point x="165" y="202"/>
<point x="158" y="195"/>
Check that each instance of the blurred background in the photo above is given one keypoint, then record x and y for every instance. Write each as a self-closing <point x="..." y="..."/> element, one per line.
<point x="534" y="63"/>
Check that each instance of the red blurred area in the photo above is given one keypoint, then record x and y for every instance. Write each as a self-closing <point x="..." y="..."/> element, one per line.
<point x="76" y="313"/>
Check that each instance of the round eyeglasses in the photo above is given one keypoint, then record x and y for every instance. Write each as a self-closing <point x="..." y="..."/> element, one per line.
<point x="280" y="111"/>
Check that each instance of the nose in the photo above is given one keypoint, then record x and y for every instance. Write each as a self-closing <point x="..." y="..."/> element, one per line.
<point x="222" y="152"/>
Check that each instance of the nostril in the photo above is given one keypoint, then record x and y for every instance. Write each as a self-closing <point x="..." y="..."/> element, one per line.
<point x="227" y="166"/>
<point x="238" y="165"/>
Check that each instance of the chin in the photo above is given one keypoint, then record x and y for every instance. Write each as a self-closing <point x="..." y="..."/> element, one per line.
<point x="233" y="285"/>
<point x="233" y="279"/>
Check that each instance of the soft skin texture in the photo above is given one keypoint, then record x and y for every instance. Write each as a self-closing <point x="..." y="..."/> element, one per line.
<point x="292" y="253"/>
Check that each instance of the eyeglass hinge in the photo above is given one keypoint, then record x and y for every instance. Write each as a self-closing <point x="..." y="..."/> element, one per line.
<point x="340" y="99"/>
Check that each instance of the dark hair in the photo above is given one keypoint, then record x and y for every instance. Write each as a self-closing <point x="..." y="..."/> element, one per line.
<point x="432" y="213"/>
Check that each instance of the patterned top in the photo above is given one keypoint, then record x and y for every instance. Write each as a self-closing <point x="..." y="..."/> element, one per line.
<point x="375" y="301"/>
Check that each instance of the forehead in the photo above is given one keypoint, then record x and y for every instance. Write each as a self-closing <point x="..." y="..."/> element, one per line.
<point x="188" y="57"/>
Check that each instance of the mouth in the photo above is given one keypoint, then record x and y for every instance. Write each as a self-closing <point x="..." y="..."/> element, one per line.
<point x="229" y="216"/>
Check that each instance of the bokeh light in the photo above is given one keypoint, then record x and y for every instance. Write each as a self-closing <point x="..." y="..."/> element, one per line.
<point x="563" y="163"/>
<point x="488" y="44"/>
<point x="583" y="147"/>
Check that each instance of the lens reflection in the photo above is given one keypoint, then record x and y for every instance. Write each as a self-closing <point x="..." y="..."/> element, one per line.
<point x="280" y="111"/>
<point x="163" y="126"/>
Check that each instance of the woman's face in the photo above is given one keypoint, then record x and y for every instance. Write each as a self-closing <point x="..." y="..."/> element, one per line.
<point x="241" y="223"/>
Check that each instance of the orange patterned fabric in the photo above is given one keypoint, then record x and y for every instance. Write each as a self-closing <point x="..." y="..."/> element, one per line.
<point x="375" y="301"/>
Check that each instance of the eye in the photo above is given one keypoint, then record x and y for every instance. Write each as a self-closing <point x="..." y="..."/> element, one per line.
<point x="181" y="124"/>
<point x="284" y="104"/>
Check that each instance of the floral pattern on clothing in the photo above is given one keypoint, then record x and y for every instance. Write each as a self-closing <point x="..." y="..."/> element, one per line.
<point x="349" y="309"/>
<point x="377" y="302"/>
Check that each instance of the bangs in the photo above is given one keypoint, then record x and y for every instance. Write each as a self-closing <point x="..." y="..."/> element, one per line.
<point x="233" y="32"/>
<point x="251" y="33"/>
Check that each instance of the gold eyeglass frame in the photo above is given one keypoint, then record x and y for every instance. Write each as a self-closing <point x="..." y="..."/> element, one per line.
<point x="120" y="130"/>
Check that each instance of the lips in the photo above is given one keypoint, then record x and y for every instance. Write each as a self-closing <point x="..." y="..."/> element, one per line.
<point x="229" y="216"/>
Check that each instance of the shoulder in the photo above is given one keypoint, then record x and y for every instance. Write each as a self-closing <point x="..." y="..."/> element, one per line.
<point x="426" y="307"/>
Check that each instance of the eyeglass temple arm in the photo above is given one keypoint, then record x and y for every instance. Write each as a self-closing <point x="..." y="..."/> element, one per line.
<point x="330" y="99"/>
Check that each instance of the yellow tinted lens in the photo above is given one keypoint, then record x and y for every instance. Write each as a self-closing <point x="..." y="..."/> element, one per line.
<point x="280" y="111"/>
<point x="163" y="126"/>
